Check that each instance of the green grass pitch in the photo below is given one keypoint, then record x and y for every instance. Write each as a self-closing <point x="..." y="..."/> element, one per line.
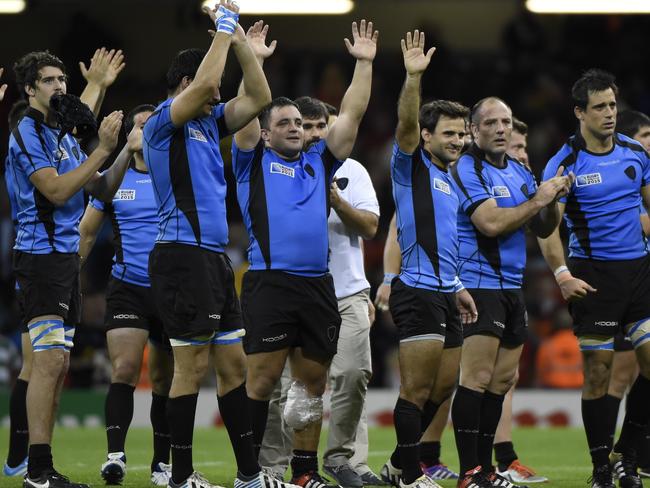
<point x="560" y="454"/>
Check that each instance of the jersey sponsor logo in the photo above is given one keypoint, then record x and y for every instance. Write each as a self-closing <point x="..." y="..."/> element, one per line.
<point x="148" y="180"/>
<point x="500" y="192"/>
<point x="61" y="154"/>
<point x="609" y="163"/>
<point x="606" y="323"/>
<point x="275" y="338"/>
<point x="441" y="186"/>
<point x="500" y="325"/>
<point x="197" y="135"/>
<point x="589" y="179"/>
<point x="281" y="169"/>
<point x="126" y="316"/>
<point x="214" y="316"/>
<point x="124" y="195"/>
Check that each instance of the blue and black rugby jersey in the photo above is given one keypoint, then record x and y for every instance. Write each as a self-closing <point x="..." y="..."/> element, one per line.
<point x="134" y="217"/>
<point x="490" y="262"/>
<point x="426" y="205"/>
<point x="42" y="227"/>
<point x="602" y="209"/>
<point x="187" y="172"/>
<point x="285" y="205"/>
<point x="11" y="194"/>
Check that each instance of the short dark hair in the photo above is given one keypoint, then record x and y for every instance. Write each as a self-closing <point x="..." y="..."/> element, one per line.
<point x="629" y="122"/>
<point x="331" y="109"/>
<point x="16" y="113"/>
<point x="26" y="68"/>
<point x="129" y="121"/>
<point x="592" y="81"/>
<point x="430" y="113"/>
<point x="476" y="108"/>
<point x="519" y="126"/>
<point x="265" y="115"/>
<point x="186" y="63"/>
<point x="311" y="108"/>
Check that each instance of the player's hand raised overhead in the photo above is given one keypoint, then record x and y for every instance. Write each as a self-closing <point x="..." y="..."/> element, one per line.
<point x="415" y="60"/>
<point x="105" y="66"/>
<point x="364" y="41"/>
<point x="256" y="36"/>
<point x="2" y="87"/>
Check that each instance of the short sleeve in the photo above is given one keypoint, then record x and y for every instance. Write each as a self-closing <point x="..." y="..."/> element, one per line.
<point x="242" y="160"/>
<point x="472" y="189"/>
<point x="330" y="162"/>
<point x="97" y="204"/>
<point x="219" y="116"/>
<point x="30" y="156"/>
<point x="401" y="164"/>
<point x="645" y="169"/>
<point x="159" y="127"/>
<point x="362" y="194"/>
<point x="531" y="183"/>
<point x="553" y="165"/>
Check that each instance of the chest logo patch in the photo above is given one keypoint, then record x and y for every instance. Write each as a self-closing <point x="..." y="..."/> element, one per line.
<point x="197" y="135"/>
<point x="61" y="154"/>
<point x="441" y="186"/>
<point x="630" y="172"/>
<point x="589" y="179"/>
<point x="124" y="195"/>
<point x="500" y="192"/>
<point x="281" y="169"/>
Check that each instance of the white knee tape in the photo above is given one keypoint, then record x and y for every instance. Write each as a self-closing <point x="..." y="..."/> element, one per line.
<point x="301" y="408"/>
<point x="47" y="334"/>
<point x="596" y="343"/>
<point x="69" y="336"/>
<point x="639" y="332"/>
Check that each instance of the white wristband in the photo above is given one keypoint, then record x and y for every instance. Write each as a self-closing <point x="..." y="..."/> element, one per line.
<point x="559" y="270"/>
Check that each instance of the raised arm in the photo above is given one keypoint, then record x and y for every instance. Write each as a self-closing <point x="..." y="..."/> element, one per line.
<point x="553" y="252"/>
<point x="89" y="227"/>
<point x="494" y="221"/>
<point x="392" y="265"/>
<point x="251" y="50"/>
<point x="408" y="107"/>
<point x="3" y="87"/>
<point x="59" y="188"/>
<point x="105" y="66"/>
<point x="203" y="89"/>
<point x="248" y="136"/>
<point x="104" y="185"/>
<point x="343" y="134"/>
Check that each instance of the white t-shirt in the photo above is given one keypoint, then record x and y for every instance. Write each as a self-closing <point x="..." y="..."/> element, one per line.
<point x="346" y="256"/>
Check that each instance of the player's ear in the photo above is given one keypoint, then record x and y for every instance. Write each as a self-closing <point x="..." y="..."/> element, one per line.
<point x="578" y="112"/>
<point x="266" y="135"/>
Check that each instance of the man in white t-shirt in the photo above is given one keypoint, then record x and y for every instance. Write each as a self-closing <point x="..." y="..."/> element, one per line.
<point x="354" y="216"/>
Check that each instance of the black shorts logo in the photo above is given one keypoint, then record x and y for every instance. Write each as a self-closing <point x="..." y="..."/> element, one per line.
<point x="331" y="333"/>
<point x="275" y="338"/>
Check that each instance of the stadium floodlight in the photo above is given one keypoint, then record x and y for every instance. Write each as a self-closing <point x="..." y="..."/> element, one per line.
<point x="12" y="6"/>
<point x="292" y="7"/>
<point x="588" y="6"/>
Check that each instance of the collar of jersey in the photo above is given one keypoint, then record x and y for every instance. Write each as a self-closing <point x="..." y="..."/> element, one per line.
<point x="430" y="158"/>
<point x="38" y="116"/>
<point x="479" y="154"/>
<point x="577" y="143"/>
